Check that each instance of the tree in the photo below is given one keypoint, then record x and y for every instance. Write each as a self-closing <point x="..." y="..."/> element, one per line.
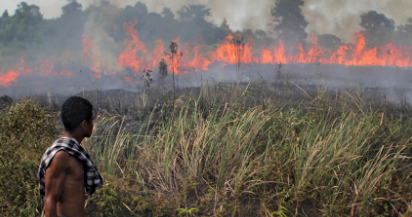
<point x="377" y="28"/>
<point x="404" y="33"/>
<point x="141" y="8"/>
<point x="223" y="31"/>
<point x="23" y="26"/>
<point x="194" y="13"/>
<point x="168" y="14"/>
<point x="175" y="58"/>
<point x="224" y="25"/>
<point x="329" y="41"/>
<point x="162" y="69"/>
<point x="290" y="21"/>
<point x="261" y="39"/>
<point x="4" y="17"/>
<point x="71" y="23"/>
<point x="194" y="24"/>
<point x="73" y="8"/>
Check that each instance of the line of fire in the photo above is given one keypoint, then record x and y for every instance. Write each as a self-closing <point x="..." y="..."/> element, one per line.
<point x="135" y="57"/>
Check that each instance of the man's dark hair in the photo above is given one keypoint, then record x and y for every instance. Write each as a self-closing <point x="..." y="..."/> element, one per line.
<point x="74" y="111"/>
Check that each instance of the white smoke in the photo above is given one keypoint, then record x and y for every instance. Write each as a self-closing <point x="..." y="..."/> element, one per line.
<point x="342" y="17"/>
<point x="103" y="46"/>
<point x="339" y="17"/>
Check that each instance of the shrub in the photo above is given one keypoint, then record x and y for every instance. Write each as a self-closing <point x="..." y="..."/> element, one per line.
<point x="26" y="130"/>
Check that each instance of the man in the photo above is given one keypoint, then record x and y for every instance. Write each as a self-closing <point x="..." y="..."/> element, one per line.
<point x="66" y="169"/>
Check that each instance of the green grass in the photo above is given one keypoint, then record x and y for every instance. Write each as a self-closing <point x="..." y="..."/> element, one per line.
<point x="334" y="155"/>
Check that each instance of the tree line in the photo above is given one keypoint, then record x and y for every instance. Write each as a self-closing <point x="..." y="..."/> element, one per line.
<point x="27" y="29"/>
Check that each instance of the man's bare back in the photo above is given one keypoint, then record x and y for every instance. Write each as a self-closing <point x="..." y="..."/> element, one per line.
<point x="64" y="181"/>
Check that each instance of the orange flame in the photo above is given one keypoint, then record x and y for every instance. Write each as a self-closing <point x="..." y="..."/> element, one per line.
<point x="128" y="58"/>
<point x="233" y="50"/>
<point x="8" y="77"/>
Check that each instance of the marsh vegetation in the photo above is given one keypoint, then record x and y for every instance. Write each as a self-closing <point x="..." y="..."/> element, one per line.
<point x="253" y="149"/>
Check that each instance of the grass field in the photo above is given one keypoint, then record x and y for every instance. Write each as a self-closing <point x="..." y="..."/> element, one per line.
<point x="229" y="150"/>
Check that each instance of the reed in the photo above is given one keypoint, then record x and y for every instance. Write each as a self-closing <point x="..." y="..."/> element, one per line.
<point x="224" y="152"/>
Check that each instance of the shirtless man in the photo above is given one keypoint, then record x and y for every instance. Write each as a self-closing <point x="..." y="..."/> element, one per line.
<point x="66" y="169"/>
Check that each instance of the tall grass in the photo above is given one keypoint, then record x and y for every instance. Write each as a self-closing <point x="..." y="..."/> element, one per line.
<point x="228" y="151"/>
<point x="326" y="158"/>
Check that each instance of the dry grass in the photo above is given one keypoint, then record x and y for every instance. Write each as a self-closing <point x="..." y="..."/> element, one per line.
<point x="224" y="152"/>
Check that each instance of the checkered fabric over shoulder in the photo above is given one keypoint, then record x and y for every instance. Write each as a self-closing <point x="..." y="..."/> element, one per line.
<point x="92" y="178"/>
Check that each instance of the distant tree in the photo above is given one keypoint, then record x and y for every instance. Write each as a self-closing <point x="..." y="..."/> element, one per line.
<point x="104" y="3"/>
<point x="137" y="12"/>
<point x="175" y="57"/>
<point x="260" y="33"/>
<point x="377" y="28"/>
<point x="162" y="72"/>
<point x="128" y="14"/>
<point x="151" y="26"/>
<point x="223" y="31"/>
<point x="23" y="26"/>
<point x="290" y="22"/>
<point x="194" y="25"/>
<point x="71" y="23"/>
<point x="5" y="15"/>
<point x="247" y="33"/>
<point x="194" y="13"/>
<point x="73" y="8"/>
<point x="168" y="14"/>
<point x="224" y="25"/>
<point x="162" y="69"/>
<point x="261" y="38"/>
<point x="329" y="41"/>
<point x="404" y="33"/>
<point x="141" y="8"/>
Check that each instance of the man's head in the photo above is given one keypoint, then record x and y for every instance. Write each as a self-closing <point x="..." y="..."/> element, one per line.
<point x="77" y="114"/>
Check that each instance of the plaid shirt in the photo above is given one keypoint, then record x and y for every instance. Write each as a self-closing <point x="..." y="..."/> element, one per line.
<point x="92" y="179"/>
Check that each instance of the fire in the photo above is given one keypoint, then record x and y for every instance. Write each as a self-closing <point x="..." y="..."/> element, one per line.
<point x="46" y="68"/>
<point x="235" y="51"/>
<point x="129" y="57"/>
<point x="8" y="77"/>
<point x="135" y="57"/>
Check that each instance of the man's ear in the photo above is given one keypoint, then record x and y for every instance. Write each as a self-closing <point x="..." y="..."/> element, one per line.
<point x="84" y="124"/>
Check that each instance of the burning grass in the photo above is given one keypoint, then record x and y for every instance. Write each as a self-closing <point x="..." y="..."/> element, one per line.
<point x="137" y="56"/>
<point x="223" y="152"/>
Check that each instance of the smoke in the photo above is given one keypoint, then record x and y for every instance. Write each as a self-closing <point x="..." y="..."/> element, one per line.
<point x="240" y="14"/>
<point x="339" y="17"/>
<point x="48" y="8"/>
<point x="342" y="17"/>
<point x="101" y="45"/>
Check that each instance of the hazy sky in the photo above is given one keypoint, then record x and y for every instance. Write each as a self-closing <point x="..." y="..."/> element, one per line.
<point x="339" y="17"/>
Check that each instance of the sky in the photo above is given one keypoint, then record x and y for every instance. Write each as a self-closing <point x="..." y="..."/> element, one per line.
<point x="339" y="17"/>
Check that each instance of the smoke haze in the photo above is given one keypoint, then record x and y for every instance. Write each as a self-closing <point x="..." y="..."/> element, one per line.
<point x="339" y="17"/>
<point x="111" y="45"/>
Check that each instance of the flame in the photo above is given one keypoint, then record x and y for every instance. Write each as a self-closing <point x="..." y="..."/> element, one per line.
<point x="8" y="77"/>
<point x="46" y="68"/>
<point x="235" y="51"/>
<point x="135" y="57"/>
<point x="128" y="58"/>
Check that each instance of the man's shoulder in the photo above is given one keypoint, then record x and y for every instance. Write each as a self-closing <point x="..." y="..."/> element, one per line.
<point x="60" y="162"/>
<point x="62" y="156"/>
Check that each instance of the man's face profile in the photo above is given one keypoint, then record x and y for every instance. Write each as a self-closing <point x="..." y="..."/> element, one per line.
<point x="88" y="127"/>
